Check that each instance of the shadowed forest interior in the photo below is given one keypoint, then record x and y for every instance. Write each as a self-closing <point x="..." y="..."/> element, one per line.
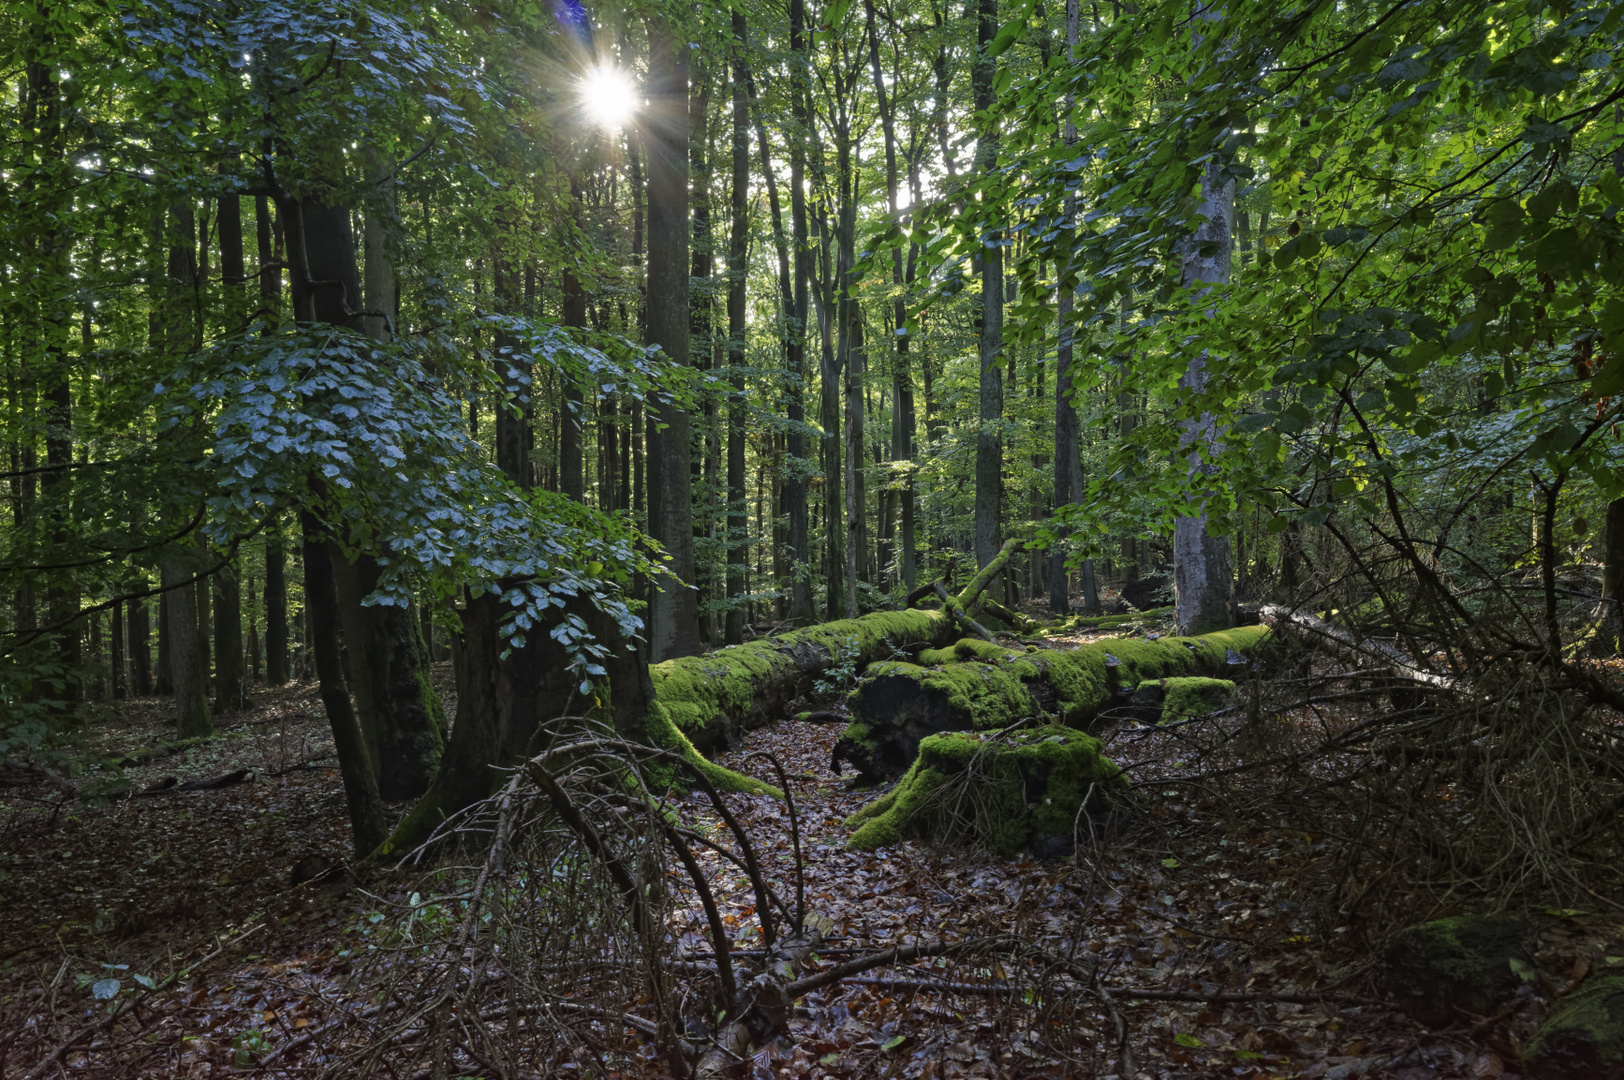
<point x="841" y="538"/>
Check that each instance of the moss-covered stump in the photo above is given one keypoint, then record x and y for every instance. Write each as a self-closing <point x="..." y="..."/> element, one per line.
<point x="1583" y="1038"/>
<point x="1007" y="791"/>
<point x="1160" y="701"/>
<point x="980" y="686"/>
<point x="1448" y="970"/>
<point x="712" y="700"/>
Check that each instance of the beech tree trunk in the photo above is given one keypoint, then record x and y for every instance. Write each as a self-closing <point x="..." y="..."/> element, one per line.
<point x="673" y="614"/>
<point x="989" y="441"/>
<point x="1204" y="579"/>
<point x="738" y="406"/>
<point x="367" y="817"/>
<point x="188" y="671"/>
<point x="503" y="704"/>
<point x="800" y="552"/>
<point x="276" y="606"/>
<point x="229" y="695"/>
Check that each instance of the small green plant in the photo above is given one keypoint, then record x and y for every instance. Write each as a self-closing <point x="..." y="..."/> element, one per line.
<point x="838" y="678"/>
<point x="246" y="1045"/>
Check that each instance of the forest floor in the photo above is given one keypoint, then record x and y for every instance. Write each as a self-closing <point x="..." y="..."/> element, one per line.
<point x="1226" y="922"/>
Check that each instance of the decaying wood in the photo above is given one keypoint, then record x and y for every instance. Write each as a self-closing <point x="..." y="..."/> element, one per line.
<point x="1369" y="653"/>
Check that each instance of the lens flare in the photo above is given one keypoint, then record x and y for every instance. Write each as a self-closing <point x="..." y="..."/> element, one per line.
<point x="608" y="97"/>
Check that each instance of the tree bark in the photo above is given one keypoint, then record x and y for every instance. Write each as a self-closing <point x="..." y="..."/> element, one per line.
<point x="367" y="818"/>
<point x="571" y="417"/>
<point x="800" y="552"/>
<point x="139" y="647"/>
<point x="673" y="617"/>
<point x="229" y="695"/>
<point x="989" y="440"/>
<point x="1204" y="579"/>
<point x="738" y="406"/>
<point x="189" y="673"/>
<point x="276" y="606"/>
<point x="505" y="703"/>
<point x="902" y="405"/>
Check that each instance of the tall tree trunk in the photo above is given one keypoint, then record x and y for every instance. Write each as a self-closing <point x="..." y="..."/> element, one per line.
<point x="276" y="606"/>
<point x="738" y="406"/>
<point x="700" y="320"/>
<point x="800" y="552"/>
<point x="189" y="673"/>
<point x="162" y="682"/>
<point x="1068" y="463"/>
<point x="673" y="612"/>
<point x="397" y="708"/>
<point x="139" y="647"/>
<point x="322" y="250"/>
<point x="989" y="440"/>
<point x="1612" y="581"/>
<point x="378" y="269"/>
<point x="229" y="695"/>
<point x="1204" y="579"/>
<point x="115" y="667"/>
<point x="902" y="408"/>
<point x="228" y="653"/>
<point x="571" y="416"/>
<point x="367" y="817"/>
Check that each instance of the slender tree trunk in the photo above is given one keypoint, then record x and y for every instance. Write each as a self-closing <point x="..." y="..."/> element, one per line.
<point x="700" y="327"/>
<point x="1204" y="578"/>
<point x="162" y="681"/>
<point x="800" y="552"/>
<point x="378" y="269"/>
<point x="115" y="632"/>
<point x="673" y="612"/>
<point x="140" y="649"/>
<point x="189" y="673"/>
<point x="902" y="407"/>
<point x="571" y="417"/>
<point x="738" y="406"/>
<point x="1068" y="465"/>
<point x="229" y="695"/>
<point x="276" y="606"/>
<point x="367" y="816"/>
<point x="989" y="440"/>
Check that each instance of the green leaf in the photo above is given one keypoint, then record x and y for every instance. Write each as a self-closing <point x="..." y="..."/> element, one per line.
<point x="1184" y="1038"/>
<point x="1521" y="970"/>
<point x="893" y="1042"/>
<point x="105" y="989"/>
<point x="1171" y="863"/>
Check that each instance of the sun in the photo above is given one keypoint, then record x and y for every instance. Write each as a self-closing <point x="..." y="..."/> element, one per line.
<point x="608" y="97"/>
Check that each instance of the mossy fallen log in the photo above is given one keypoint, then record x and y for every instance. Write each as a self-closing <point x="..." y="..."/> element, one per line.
<point x="982" y="686"/>
<point x="1111" y="622"/>
<point x="712" y="700"/>
<point x="1006" y="791"/>
<point x="1583" y="1037"/>
<point x="1161" y="701"/>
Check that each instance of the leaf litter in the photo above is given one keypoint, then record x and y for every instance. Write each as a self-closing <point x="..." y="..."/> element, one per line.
<point x="175" y="913"/>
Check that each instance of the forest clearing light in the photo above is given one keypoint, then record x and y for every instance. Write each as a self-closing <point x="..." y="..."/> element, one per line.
<point x="608" y="96"/>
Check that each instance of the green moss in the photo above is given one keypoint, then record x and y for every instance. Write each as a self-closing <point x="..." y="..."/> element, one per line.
<point x="1442" y="970"/>
<point x="858" y="734"/>
<point x="696" y="689"/>
<point x="1192" y="695"/>
<point x="1584" y="1034"/>
<point x="662" y="732"/>
<point x="1028" y="785"/>
<point x="1109" y="622"/>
